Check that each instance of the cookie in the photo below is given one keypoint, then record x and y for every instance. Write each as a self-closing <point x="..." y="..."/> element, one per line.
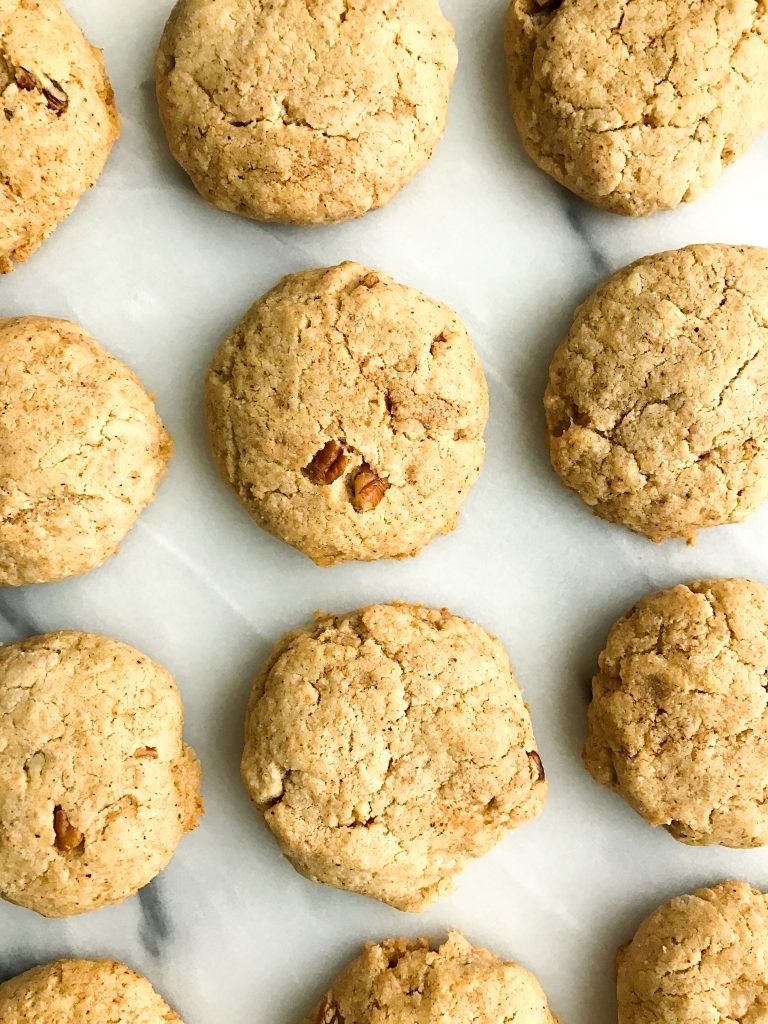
<point x="305" y="111"/>
<point x="404" y="980"/>
<point x="82" y="451"/>
<point x="678" y="723"/>
<point x="657" y="403"/>
<point x="698" y="958"/>
<point x="96" y="785"/>
<point x="70" y="991"/>
<point x="347" y="411"/>
<point x="388" y="747"/>
<point x="57" y="122"/>
<point x="638" y="107"/>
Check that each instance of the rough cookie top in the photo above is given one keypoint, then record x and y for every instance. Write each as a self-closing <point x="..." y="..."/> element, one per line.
<point x="698" y="958"/>
<point x="638" y="106"/>
<point x="96" y="785"/>
<point x="70" y="991"/>
<point x="82" y="450"/>
<point x="57" y="122"/>
<point x="678" y="723"/>
<point x="657" y="403"/>
<point x="305" y="111"/>
<point x="348" y="411"/>
<point x="404" y="980"/>
<point x="389" y="746"/>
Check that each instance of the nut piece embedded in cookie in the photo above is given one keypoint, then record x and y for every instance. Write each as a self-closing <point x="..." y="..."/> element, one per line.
<point x="368" y="489"/>
<point x="328" y="464"/>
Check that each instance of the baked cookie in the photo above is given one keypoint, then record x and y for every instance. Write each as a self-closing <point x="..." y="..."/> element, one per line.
<point x="71" y="991"/>
<point x="82" y="451"/>
<point x="57" y="122"/>
<point x="637" y="107"/>
<point x="388" y="747"/>
<point x="305" y="111"/>
<point x="406" y="980"/>
<point x="657" y="404"/>
<point x="96" y="785"/>
<point x="348" y="411"/>
<point x="678" y="723"/>
<point x="699" y="958"/>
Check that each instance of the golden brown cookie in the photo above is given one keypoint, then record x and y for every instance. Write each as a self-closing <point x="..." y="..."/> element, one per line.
<point x="697" y="959"/>
<point x="96" y="785"/>
<point x="402" y="981"/>
<point x="388" y="747"/>
<point x="304" y="112"/>
<point x="657" y="403"/>
<point x="678" y="723"/>
<point x="637" y="107"/>
<point x="82" y="450"/>
<point x="57" y="122"/>
<point x="348" y="411"/>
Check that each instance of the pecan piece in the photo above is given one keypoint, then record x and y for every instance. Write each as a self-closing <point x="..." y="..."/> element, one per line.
<point x="533" y="756"/>
<point x="55" y="97"/>
<point x="328" y="464"/>
<point x="67" y="837"/>
<point x="371" y="280"/>
<point x="26" y="80"/>
<point x="146" y="753"/>
<point x="368" y="489"/>
<point x="8" y="113"/>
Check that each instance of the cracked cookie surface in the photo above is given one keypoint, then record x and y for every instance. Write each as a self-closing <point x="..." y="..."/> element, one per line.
<point x="388" y="747"/>
<point x="657" y="402"/>
<point x="347" y="412"/>
<point x="70" y="991"/>
<point x="698" y="958"/>
<point x="638" y="105"/>
<point x="57" y="122"/>
<point x="678" y="723"/>
<point x="82" y="451"/>
<point x="402" y="981"/>
<point x="306" y="111"/>
<point x="96" y="785"/>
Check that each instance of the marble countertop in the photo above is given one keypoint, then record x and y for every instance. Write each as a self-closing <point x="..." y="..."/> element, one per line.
<point x="229" y="932"/>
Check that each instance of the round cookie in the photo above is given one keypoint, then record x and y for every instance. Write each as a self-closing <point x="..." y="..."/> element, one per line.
<point x="678" y="723"/>
<point x="406" y="980"/>
<point x="657" y="403"/>
<point x="700" y="958"/>
<point x="96" y="785"/>
<point x="57" y="122"/>
<point x="348" y="411"/>
<point x="304" y="112"/>
<point x="637" y="107"/>
<point x="388" y="747"/>
<point x="82" y="451"/>
<point x="70" y="991"/>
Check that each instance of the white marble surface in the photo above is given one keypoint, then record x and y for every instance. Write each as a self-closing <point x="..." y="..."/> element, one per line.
<point x="229" y="933"/>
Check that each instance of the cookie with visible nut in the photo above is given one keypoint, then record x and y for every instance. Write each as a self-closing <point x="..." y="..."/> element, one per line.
<point x="57" y="126"/>
<point x="347" y="411"/>
<point x="96" y="784"/>
<point x="388" y="747"/>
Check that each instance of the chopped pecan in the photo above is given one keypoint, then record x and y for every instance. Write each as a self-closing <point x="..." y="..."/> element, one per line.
<point x="8" y="113"/>
<point x="368" y="489"/>
<point x="146" y="753"/>
<point x="328" y="464"/>
<point x="533" y="756"/>
<point x="67" y="837"/>
<point x="371" y="280"/>
<point x="26" y="80"/>
<point x="56" y="98"/>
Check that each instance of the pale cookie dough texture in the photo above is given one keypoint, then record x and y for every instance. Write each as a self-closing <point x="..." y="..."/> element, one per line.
<point x="678" y="723"/>
<point x="73" y="991"/>
<point x="304" y="111"/>
<point x="82" y="451"/>
<point x="699" y="959"/>
<point x="638" y="105"/>
<point x="348" y="411"/>
<point x="402" y="981"/>
<point x="657" y="403"/>
<point x="57" y="122"/>
<point x="96" y="785"/>
<point x="388" y="747"/>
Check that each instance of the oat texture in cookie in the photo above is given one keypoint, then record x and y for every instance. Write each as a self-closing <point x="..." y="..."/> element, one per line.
<point x="305" y="111"/>
<point x="638" y="105"/>
<point x="699" y="958"/>
<point x="401" y="981"/>
<point x="657" y="403"/>
<point x="388" y="747"/>
<point x="82" y="451"/>
<point x="96" y="784"/>
<point x="348" y="411"/>
<point x="57" y="122"/>
<point x="678" y="723"/>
